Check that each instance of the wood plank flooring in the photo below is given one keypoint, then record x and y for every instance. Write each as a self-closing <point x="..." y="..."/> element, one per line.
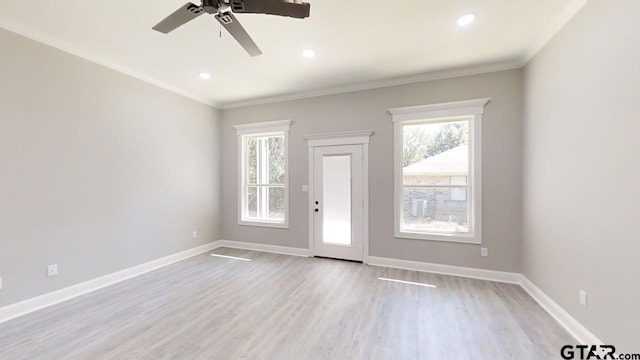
<point x="285" y="307"/>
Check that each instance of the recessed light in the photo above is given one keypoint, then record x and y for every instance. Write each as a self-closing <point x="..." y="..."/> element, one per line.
<point x="466" y="19"/>
<point x="308" y="53"/>
<point x="205" y="76"/>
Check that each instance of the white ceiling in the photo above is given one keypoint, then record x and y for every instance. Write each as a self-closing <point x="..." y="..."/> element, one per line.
<point x="359" y="43"/>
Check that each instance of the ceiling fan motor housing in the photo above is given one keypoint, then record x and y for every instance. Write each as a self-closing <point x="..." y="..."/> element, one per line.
<point x="210" y="6"/>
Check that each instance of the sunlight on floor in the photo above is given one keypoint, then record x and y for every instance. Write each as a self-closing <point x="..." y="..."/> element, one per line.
<point x="230" y="257"/>
<point x="407" y="282"/>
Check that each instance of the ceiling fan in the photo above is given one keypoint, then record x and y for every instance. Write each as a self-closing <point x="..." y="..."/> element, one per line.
<point x="223" y="11"/>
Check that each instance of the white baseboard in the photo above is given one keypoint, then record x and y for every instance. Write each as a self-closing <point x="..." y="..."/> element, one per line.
<point x="573" y="326"/>
<point x="284" y="250"/>
<point x="474" y="273"/>
<point x="569" y="323"/>
<point x="39" y="302"/>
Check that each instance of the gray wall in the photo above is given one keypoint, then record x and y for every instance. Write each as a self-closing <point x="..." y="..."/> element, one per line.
<point x="581" y="170"/>
<point x="98" y="171"/>
<point x="367" y="110"/>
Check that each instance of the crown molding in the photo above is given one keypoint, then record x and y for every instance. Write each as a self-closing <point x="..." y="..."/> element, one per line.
<point x="554" y="27"/>
<point x="38" y="36"/>
<point x="428" y="76"/>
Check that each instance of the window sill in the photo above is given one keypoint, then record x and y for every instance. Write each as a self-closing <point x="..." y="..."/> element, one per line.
<point x="279" y="225"/>
<point x="457" y="238"/>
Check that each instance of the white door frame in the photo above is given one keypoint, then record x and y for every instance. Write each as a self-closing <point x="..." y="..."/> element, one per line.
<point x="333" y="139"/>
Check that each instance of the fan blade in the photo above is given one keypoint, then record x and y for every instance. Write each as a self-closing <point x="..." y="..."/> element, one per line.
<point x="272" y="7"/>
<point x="238" y="32"/>
<point x="180" y="17"/>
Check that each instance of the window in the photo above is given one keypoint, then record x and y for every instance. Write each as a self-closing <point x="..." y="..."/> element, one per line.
<point x="438" y="171"/>
<point x="263" y="178"/>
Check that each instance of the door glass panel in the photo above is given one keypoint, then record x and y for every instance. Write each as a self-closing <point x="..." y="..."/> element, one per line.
<point x="336" y="226"/>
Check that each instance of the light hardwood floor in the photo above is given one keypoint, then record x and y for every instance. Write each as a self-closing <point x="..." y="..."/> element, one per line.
<point x="285" y="307"/>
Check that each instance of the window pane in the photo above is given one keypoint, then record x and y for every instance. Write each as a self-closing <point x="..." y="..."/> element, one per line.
<point x="432" y="210"/>
<point x="276" y="160"/>
<point x="458" y="180"/>
<point x="252" y="161"/>
<point x="276" y="203"/>
<point x="458" y="194"/>
<point x="252" y="202"/>
<point x="434" y="153"/>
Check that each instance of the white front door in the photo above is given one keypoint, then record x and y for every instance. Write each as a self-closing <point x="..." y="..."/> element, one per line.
<point x="338" y="202"/>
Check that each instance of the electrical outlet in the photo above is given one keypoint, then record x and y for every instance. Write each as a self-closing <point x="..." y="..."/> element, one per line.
<point x="582" y="298"/>
<point x="484" y="251"/>
<point x="52" y="270"/>
<point x="195" y="234"/>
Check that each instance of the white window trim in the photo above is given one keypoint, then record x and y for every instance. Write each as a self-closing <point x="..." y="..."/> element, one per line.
<point x="473" y="109"/>
<point x="262" y="128"/>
